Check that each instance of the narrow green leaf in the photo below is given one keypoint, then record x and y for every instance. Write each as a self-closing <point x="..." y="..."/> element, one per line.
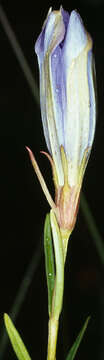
<point x="75" y="346"/>
<point x="49" y="260"/>
<point x="16" y="341"/>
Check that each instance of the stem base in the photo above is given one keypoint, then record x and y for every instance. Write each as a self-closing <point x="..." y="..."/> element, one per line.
<point x="52" y="338"/>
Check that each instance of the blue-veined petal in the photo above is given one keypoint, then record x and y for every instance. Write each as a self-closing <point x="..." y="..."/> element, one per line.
<point x="51" y="116"/>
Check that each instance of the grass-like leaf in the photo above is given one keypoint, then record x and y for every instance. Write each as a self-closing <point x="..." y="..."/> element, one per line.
<point x="16" y="341"/>
<point x="75" y="346"/>
<point x="49" y="260"/>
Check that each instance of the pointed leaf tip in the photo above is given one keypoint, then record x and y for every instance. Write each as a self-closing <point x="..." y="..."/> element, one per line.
<point x="16" y="341"/>
<point x="75" y="346"/>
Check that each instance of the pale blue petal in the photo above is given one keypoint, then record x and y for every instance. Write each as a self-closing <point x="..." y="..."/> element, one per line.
<point x="40" y="43"/>
<point x="75" y="39"/>
<point x="49" y="58"/>
<point x="58" y="92"/>
<point x="77" y="115"/>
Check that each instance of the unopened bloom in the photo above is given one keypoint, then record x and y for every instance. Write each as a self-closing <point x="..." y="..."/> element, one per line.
<point x="68" y="109"/>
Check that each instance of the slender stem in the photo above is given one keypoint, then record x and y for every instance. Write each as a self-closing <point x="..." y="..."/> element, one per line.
<point x="59" y="262"/>
<point x="52" y="338"/>
<point x="57" y="296"/>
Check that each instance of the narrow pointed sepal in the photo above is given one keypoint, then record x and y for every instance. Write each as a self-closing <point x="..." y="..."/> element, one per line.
<point x="41" y="179"/>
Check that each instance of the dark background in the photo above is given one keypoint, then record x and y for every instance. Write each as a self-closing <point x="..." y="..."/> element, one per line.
<point x="23" y="205"/>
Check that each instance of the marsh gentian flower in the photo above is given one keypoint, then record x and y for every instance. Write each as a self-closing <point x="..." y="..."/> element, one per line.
<point x="68" y="110"/>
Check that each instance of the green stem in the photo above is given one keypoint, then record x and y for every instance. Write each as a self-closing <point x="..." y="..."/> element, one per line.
<point x="59" y="261"/>
<point x="57" y="296"/>
<point x="52" y="338"/>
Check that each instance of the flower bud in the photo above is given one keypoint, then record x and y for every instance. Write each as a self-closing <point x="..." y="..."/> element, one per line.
<point x="68" y="107"/>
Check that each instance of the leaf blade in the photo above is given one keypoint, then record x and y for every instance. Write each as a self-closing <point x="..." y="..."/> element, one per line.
<point x="75" y="346"/>
<point x="49" y="261"/>
<point x="15" y="339"/>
